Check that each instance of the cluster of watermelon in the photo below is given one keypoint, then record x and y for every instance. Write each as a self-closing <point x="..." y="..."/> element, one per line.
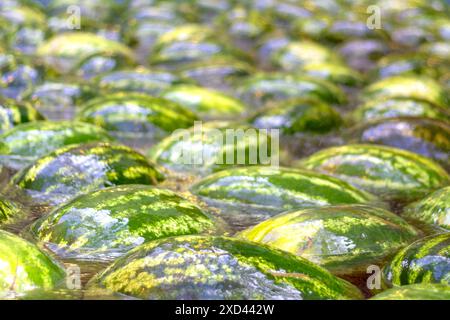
<point x="93" y="95"/>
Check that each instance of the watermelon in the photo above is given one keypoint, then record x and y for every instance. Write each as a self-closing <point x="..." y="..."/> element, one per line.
<point x="434" y="209"/>
<point x="262" y="89"/>
<point x="427" y="137"/>
<point x="190" y="43"/>
<point x="217" y="72"/>
<point x="424" y="261"/>
<point x="136" y="113"/>
<point x="138" y="80"/>
<point x="361" y="54"/>
<point x="298" y="115"/>
<point x="35" y="139"/>
<point x="341" y="28"/>
<point x="398" y="107"/>
<point x="65" y="52"/>
<point x="196" y="267"/>
<point x="245" y="25"/>
<point x="187" y="32"/>
<point x="391" y="173"/>
<point x="81" y="168"/>
<point x="416" y="87"/>
<point x="421" y="291"/>
<point x="25" y="267"/>
<point x="335" y="72"/>
<point x="250" y="194"/>
<point x="207" y="103"/>
<point x="204" y="149"/>
<point x="18" y="80"/>
<point x="57" y="100"/>
<point x="13" y="113"/>
<point x="344" y="239"/>
<point x="7" y="209"/>
<point x="296" y="54"/>
<point x="24" y="15"/>
<point x="402" y="64"/>
<point x="107" y="223"/>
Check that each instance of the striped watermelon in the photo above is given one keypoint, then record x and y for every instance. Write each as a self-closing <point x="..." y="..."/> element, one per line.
<point x="424" y="261"/>
<point x="434" y="209"/>
<point x="296" y="54"/>
<point x="344" y="239"/>
<point x="207" y="103"/>
<point x="218" y="72"/>
<point x="13" y="113"/>
<point x="219" y="268"/>
<point x="138" y="80"/>
<point x="398" y="107"/>
<point x="25" y="267"/>
<point x="37" y="138"/>
<point x="58" y="100"/>
<point x="7" y="209"/>
<point x="391" y="173"/>
<point x="204" y="150"/>
<point x="107" y="223"/>
<point x="136" y="113"/>
<point x="77" y="169"/>
<point x="262" y="89"/>
<point x="427" y="137"/>
<point x="65" y="52"/>
<point x="191" y="43"/>
<point x="298" y="115"/>
<point x="251" y="194"/>
<point x="405" y="86"/>
<point x="422" y="291"/>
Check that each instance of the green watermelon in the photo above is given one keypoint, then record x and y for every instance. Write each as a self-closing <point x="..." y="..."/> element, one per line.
<point x="391" y="173"/>
<point x="207" y="148"/>
<point x="136" y="113"/>
<point x="186" y="32"/>
<point x="422" y="291"/>
<point x="434" y="209"/>
<point x="427" y="137"/>
<point x="207" y="103"/>
<point x="398" y="107"/>
<point x="196" y="267"/>
<point x="415" y="87"/>
<point x="262" y="89"/>
<point x="191" y="43"/>
<point x="107" y="223"/>
<point x="38" y="138"/>
<point x="81" y="168"/>
<point x="13" y="113"/>
<point x="334" y="72"/>
<point x="424" y="261"/>
<point x="58" y="100"/>
<point x="25" y="267"/>
<point x="298" y="115"/>
<point x="7" y="209"/>
<point x="64" y="52"/>
<point x="244" y="25"/>
<point x="217" y="72"/>
<point x="296" y="54"/>
<point x="138" y="80"/>
<point x="250" y="194"/>
<point x="344" y="239"/>
<point x="24" y="15"/>
<point x="400" y="64"/>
